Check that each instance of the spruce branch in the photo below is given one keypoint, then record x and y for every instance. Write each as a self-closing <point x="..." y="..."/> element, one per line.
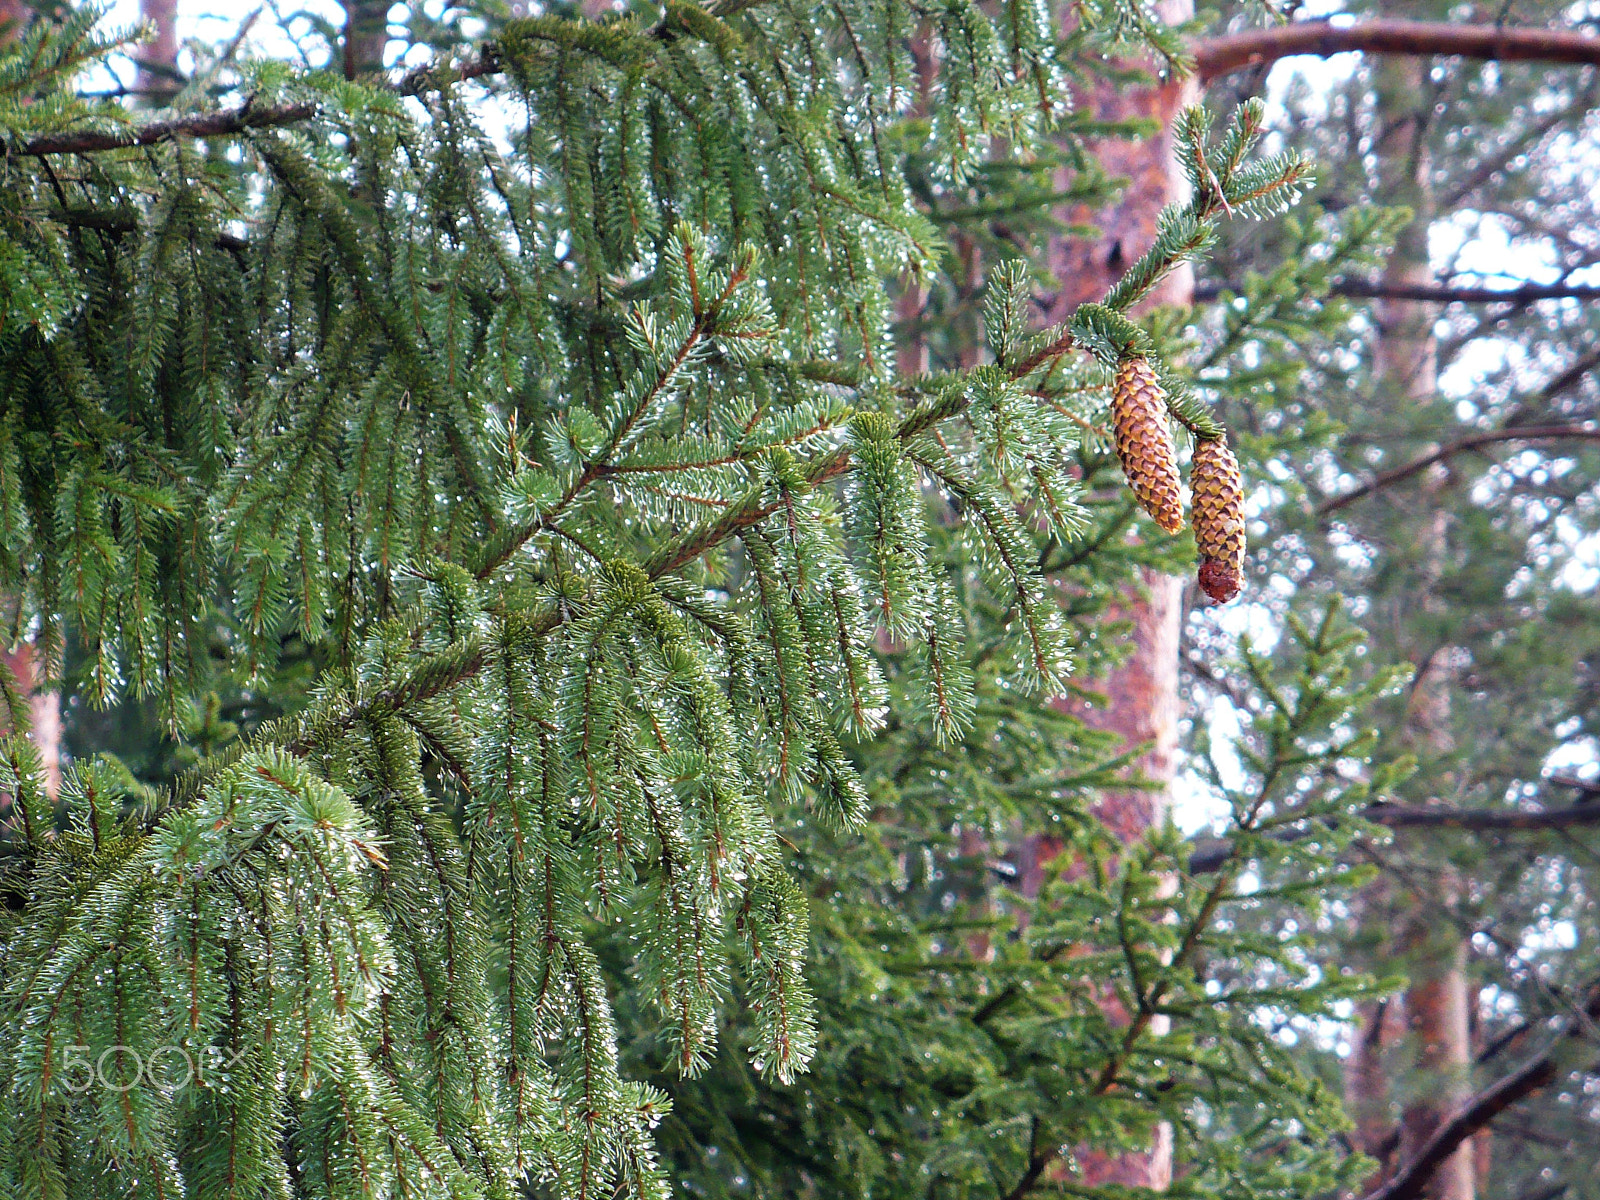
<point x="465" y="436"/>
<point x="229" y="123"/>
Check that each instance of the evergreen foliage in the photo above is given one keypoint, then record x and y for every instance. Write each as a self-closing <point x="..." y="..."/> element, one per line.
<point x="1471" y="568"/>
<point x="975" y="1037"/>
<point x="543" y="410"/>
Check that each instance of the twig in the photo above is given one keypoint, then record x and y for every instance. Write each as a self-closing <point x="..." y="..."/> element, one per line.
<point x="1211" y="856"/>
<point x="1429" y="293"/>
<point x="1517" y="433"/>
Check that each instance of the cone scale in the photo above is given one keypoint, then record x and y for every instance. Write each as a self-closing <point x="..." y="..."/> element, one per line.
<point x="1143" y="439"/>
<point x="1217" y="502"/>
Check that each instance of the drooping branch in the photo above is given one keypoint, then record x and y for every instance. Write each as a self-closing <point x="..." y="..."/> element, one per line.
<point x="1219" y="56"/>
<point x="1441" y="293"/>
<point x="217" y="124"/>
<point x="1519" y="433"/>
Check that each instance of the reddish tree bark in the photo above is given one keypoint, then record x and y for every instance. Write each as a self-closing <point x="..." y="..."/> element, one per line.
<point x="1366" y="1082"/>
<point x="1436" y="1018"/>
<point x="1223" y="55"/>
<point x="158" y="58"/>
<point x="14" y="18"/>
<point x="366" y="36"/>
<point x="911" y="353"/>
<point x="44" y="712"/>
<point x="1141" y="695"/>
<point x="44" y="706"/>
<point x="1405" y="361"/>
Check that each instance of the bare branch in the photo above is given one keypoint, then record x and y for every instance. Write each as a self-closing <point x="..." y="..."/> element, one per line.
<point x="1482" y="820"/>
<point x="1218" y="56"/>
<point x="1578" y="1017"/>
<point x="1411" y="1180"/>
<point x="1441" y="293"/>
<point x="431" y="77"/>
<point x="1517" y="433"/>
<point x="217" y="124"/>
<point x="1588" y="787"/>
<point x="1212" y="854"/>
<point x="234" y="121"/>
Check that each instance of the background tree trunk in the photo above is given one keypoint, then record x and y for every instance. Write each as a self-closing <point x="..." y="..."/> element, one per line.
<point x="1438" y="1040"/>
<point x="14" y="17"/>
<point x="366" y="36"/>
<point x="158" y="58"/>
<point x="21" y="659"/>
<point x="1367" y="1094"/>
<point x="1142" y="695"/>
<point x="44" y="711"/>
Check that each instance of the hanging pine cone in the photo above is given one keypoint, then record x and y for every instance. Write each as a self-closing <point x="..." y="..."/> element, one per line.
<point x="1217" y="504"/>
<point x="1144" y="442"/>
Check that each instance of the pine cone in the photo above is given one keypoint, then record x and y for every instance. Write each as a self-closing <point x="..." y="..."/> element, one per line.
<point x="1144" y="442"/>
<point x="1217" y="506"/>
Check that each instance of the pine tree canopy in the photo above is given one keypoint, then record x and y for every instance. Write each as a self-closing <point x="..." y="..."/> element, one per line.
<point x="542" y="411"/>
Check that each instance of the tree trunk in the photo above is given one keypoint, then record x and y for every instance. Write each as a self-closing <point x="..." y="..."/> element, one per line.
<point x="1406" y="364"/>
<point x="44" y="712"/>
<point x="14" y="18"/>
<point x="911" y="353"/>
<point x="366" y="36"/>
<point x="158" y="58"/>
<point x="1142" y="694"/>
<point x="1436" y="1024"/>
<point x="44" y="706"/>
<point x="1366" y="1085"/>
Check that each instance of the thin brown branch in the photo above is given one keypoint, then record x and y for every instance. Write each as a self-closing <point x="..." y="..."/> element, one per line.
<point x="1213" y="57"/>
<point x="1569" y="378"/>
<point x="1441" y="293"/>
<point x="1481" y="820"/>
<point x="1579" y="1016"/>
<point x="1588" y="787"/>
<point x="1037" y="1163"/>
<point x="217" y="124"/>
<point x="430" y="77"/>
<point x="1412" y="1179"/>
<point x="234" y="121"/>
<point x="1223" y="55"/>
<point x="1517" y="433"/>
<point x="1211" y="855"/>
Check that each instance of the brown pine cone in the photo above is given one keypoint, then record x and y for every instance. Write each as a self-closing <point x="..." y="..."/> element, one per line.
<point x="1144" y="442"/>
<point x="1217" y="508"/>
